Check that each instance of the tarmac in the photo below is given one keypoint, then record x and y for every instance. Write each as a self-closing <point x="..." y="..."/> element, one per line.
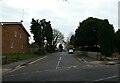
<point x="9" y="67"/>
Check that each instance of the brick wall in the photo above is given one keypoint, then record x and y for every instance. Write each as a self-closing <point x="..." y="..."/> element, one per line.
<point x="15" y="39"/>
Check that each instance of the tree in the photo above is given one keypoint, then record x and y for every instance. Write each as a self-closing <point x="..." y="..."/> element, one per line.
<point x="72" y="39"/>
<point x="86" y="32"/>
<point x="48" y="34"/>
<point x="58" y="37"/>
<point x="106" y="38"/>
<point x="42" y="32"/>
<point x="60" y="47"/>
<point x="117" y="40"/>
<point x="37" y="30"/>
<point x="96" y="32"/>
<point x="70" y="44"/>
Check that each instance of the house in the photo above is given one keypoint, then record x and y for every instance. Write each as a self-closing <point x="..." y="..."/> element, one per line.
<point x="15" y="38"/>
<point x="34" y="47"/>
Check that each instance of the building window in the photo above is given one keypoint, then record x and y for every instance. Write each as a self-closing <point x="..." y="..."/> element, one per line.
<point x="15" y="33"/>
<point x="11" y="45"/>
<point x="20" y="35"/>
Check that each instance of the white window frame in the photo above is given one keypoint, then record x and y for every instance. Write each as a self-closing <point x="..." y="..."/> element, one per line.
<point x="11" y="45"/>
<point x="15" y="33"/>
<point x="20" y="35"/>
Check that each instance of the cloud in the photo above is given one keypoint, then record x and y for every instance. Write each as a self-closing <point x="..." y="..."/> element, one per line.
<point x="9" y="13"/>
<point x="63" y="16"/>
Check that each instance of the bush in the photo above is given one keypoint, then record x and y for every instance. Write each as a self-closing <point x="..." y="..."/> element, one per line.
<point x="39" y="53"/>
<point x="91" y="49"/>
<point x="9" y="58"/>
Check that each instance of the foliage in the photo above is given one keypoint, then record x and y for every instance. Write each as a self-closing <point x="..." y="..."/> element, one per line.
<point x="72" y="39"/>
<point x="40" y="53"/>
<point x="43" y="33"/>
<point x="117" y="40"/>
<point x="95" y="32"/>
<point x="60" y="47"/>
<point x="37" y="31"/>
<point x="58" y="37"/>
<point x="71" y="42"/>
<point x="70" y="46"/>
<point x="106" y="38"/>
<point x="86" y="32"/>
<point x="16" y="57"/>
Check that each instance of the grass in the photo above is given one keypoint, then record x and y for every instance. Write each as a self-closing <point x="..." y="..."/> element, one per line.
<point x="9" y="58"/>
<point x="20" y="56"/>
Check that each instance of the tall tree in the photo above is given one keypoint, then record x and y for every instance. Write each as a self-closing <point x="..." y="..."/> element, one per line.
<point x="42" y="32"/>
<point x="37" y="30"/>
<point x="117" y="40"/>
<point x="47" y="31"/>
<point x="72" y="39"/>
<point x="96" y="32"/>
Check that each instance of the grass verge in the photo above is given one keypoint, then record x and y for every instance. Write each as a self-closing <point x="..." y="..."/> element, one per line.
<point x="9" y="58"/>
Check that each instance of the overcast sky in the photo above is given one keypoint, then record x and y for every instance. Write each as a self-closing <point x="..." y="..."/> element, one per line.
<point x="64" y="16"/>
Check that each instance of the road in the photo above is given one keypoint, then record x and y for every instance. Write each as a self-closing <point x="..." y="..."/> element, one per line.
<point x="62" y="66"/>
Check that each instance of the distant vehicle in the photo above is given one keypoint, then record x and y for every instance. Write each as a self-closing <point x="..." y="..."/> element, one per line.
<point x="70" y="51"/>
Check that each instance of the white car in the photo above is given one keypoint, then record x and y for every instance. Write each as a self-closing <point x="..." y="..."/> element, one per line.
<point x="70" y="51"/>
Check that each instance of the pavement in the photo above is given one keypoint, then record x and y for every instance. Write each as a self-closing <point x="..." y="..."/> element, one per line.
<point x="9" y="67"/>
<point x="112" y="61"/>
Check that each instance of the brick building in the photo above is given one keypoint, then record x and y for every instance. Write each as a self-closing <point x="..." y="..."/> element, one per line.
<point x="15" y="38"/>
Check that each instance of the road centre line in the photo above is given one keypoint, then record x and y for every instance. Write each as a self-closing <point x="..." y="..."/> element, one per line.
<point x="58" y="65"/>
<point x="59" y="62"/>
<point x="102" y="79"/>
<point x="60" y="58"/>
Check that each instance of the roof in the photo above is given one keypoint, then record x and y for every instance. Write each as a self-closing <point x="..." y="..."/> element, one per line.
<point x="34" y="45"/>
<point x="15" y="23"/>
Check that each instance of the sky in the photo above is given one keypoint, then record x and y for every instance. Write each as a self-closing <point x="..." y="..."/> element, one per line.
<point x="64" y="15"/>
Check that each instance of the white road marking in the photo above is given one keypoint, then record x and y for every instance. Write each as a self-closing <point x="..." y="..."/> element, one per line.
<point x="71" y="67"/>
<point x="74" y="66"/>
<point x="80" y="59"/>
<point x="83" y="60"/>
<point x="14" y="69"/>
<point x="37" y="60"/>
<point x="105" y="78"/>
<point x="87" y="66"/>
<point x="19" y="67"/>
<point x="60" y="58"/>
<point x="58" y="64"/>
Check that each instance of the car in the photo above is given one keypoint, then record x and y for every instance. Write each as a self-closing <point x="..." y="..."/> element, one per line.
<point x="70" y="51"/>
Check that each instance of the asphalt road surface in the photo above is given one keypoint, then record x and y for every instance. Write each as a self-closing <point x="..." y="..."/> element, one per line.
<point x="62" y="66"/>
